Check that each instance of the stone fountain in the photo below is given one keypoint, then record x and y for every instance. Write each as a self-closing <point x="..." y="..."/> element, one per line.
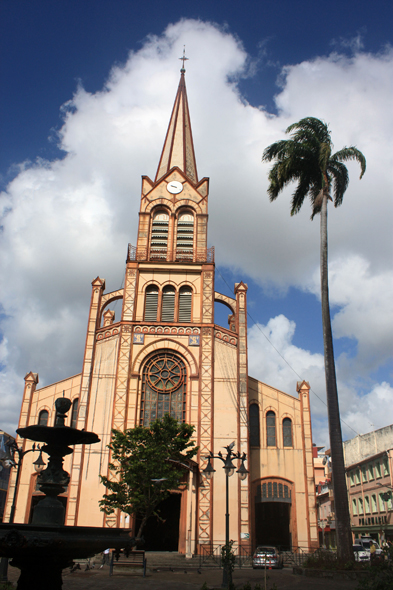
<point x="41" y="550"/>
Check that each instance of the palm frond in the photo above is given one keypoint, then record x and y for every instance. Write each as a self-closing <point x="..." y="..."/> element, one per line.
<point x="312" y="126"/>
<point x="351" y="153"/>
<point x="339" y="173"/>
<point x="274" y="150"/>
<point x="300" y="194"/>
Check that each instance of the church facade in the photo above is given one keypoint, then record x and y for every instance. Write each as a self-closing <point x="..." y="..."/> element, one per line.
<point x="165" y="354"/>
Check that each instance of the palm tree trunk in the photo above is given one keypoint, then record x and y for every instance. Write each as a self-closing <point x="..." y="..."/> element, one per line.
<point x="341" y="508"/>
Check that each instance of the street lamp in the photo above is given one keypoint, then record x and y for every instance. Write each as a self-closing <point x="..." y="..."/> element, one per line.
<point x="229" y="469"/>
<point x="8" y="460"/>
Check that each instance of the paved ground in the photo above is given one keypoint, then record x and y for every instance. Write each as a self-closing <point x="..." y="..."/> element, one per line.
<point x="98" y="579"/>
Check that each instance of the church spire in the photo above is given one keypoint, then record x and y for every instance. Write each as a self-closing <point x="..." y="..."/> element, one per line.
<point x="178" y="148"/>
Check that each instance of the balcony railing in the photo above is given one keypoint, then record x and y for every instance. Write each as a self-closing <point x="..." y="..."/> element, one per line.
<point x="162" y="255"/>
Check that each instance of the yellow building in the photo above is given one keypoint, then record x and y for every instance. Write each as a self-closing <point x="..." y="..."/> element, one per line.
<point x="166" y="340"/>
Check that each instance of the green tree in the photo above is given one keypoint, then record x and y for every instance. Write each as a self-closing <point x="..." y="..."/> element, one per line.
<point x="307" y="159"/>
<point x="146" y="463"/>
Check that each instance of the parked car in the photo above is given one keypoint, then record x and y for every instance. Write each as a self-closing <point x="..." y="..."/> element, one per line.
<point x="267" y="556"/>
<point x="360" y="553"/>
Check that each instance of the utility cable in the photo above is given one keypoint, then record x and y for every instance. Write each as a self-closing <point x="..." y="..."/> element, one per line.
<point x="282" y="356"/>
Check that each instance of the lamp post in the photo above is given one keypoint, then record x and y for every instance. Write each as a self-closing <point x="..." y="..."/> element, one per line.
<point x="8" y="460"/>
<point x="229" y="469"/>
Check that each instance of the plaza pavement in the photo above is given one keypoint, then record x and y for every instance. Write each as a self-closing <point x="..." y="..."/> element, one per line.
<point x="99" y="579"/>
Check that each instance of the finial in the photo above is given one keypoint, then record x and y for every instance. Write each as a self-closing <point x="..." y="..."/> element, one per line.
<point x="183" y="59"/>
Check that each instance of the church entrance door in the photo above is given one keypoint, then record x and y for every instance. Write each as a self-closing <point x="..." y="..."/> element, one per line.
<point x="272" y="524"/>
<point x="163" y="535"/>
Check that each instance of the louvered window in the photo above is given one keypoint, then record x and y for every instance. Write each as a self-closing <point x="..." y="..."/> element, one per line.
<point x="271" y="429"/>
<point x="168" y="304"/>
<point x="151" y="304"/>
<point x="185" y="237"/>
<point x="43" y="418"/>
<point x="74" y="413"/>
<point x="185" y="301"/>
<point x="159" y="236"/>
<point x="287" y="432"/>
<point x="254" y="425"/>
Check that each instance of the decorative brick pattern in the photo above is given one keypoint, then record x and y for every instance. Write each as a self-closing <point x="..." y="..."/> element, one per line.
<point x="167" y="330"/>
<point x="205" y="436"/>
<point x="120" y="403"/>
<point x="207" y="298"/>
<point x="241" y="295"/>
<point x="225" y="338"/>
<point x="129" y="295"/>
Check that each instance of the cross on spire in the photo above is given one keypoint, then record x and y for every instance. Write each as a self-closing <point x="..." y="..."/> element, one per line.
<point x="183" y="59"/>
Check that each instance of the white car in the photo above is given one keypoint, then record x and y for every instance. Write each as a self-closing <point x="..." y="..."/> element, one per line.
<point x="360" y="553"/>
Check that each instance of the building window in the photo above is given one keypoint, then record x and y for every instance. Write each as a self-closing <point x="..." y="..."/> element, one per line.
<point x="74" y="413"/>
<point x="378" y="470"/>
<point x="354" y="507"/>
<point x="374" y="503"/>
<point x="254" y="425"/>
<point x="43" y="418"/>
<point x="385" y="466"/>
<point x="357" y="476"/>
<point x="360" y="504"/>
<point x="163" y="388"/>
<point x="367" y="504"/>
<point x="271" y="429"/>
<point x="159" y="236"/>
<point x="151" y="304"/>
<point x="364" y="473"/>
<point x="185" y="304"/>
<point x="370" y="471"/>
<point x="185" y="237"/>
<point x="287" y="432"/>
<point x="352" y="478"/>
<point x="168" y="304"/>
<point x="381" y="503"/>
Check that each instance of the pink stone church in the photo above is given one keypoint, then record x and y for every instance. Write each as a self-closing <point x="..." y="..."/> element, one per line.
<point x="165" y="354"/>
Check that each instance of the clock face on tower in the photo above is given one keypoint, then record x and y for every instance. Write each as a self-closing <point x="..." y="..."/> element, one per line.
<point x="174" y="187"/>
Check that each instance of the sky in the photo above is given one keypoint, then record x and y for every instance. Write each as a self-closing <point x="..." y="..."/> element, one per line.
<point x="86" y="93"/>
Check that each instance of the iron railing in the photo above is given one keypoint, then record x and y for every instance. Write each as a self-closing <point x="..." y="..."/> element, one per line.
<point x="210" y="554"/>
<point x="161" y="254"/>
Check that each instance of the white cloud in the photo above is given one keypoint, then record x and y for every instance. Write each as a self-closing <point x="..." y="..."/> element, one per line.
<point x="365" y="302"/>
<point x="65" y="222"/>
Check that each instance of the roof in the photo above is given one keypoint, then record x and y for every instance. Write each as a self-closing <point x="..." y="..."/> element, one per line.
<point x="178" y="147"/>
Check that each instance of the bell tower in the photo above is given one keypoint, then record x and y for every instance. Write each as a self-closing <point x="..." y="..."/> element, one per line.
<point x="164" y="354"/>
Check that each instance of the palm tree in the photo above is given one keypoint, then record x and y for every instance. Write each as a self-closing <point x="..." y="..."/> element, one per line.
<point x="307" y="159"/>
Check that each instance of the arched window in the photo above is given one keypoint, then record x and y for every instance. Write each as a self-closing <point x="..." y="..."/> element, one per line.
<point x="271" y="429"/>
<point x="287" y="432"/>
<point x="43" y="418"/>
<point x="185" y="236"/>
<point x="151" y="303"/>
<point x="159" y="235"/>
<point x="163" y="388"/>
<point x="185" y="301"/>
<point x="254" y="425"/>
<point x="74" y="413"/>
<point x="168" y="304"/>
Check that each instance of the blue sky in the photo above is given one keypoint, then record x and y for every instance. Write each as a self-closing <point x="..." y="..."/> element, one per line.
<point x="269" y="64"/>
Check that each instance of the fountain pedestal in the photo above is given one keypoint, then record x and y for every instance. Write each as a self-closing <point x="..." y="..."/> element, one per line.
<point x="41" y="550"/>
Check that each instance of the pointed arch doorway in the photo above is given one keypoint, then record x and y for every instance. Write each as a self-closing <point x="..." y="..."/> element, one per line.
<point x="163" y="534"/>
<point x="274" y="521"/>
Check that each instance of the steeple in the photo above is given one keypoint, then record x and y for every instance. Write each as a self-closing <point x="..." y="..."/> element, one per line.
<point x="178" y="148"/>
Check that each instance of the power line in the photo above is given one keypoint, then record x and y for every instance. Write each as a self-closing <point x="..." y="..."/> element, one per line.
<point x="282" y="356"/>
